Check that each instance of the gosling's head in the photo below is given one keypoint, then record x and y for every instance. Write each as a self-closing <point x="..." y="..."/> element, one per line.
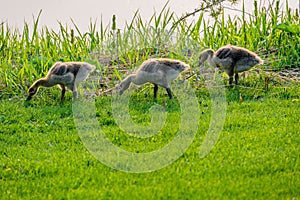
<point x="124" y="85"/>
<point x="181" y="66"/>
<point x="255" y="60"/>
<point x="31" y="92"/>
<point x="120" y="89"/>
<point x="260" y="61"/>
<point x="204" y="55"/>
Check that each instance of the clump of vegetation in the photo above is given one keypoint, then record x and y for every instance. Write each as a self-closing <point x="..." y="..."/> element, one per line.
<point x="28" y="54"/>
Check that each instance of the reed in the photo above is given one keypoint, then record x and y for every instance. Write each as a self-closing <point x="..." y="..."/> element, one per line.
<point x="28" y="53"/>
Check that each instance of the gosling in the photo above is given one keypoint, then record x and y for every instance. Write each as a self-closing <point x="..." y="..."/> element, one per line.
<point x="231" y="59"/>
<point x="65" y="74"/>
<point x="158" y="71"/>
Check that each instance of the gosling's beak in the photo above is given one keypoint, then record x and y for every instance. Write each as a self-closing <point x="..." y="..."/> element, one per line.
<point x="28" y="98"/>
<point x="262" y="62"/>
<point x="188" y="67"/>
<point x="184" y="68"/>
<point x="118" y="89"/>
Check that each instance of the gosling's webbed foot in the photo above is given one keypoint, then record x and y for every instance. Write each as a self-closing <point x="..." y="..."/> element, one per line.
<point x="155" y="91"/>
<point x="236" y="78"/>
<point x="169" y="93"/>
<point x="230" y="81"/>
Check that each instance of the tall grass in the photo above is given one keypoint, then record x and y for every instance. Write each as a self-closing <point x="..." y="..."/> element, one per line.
<point x="28" y="54"/>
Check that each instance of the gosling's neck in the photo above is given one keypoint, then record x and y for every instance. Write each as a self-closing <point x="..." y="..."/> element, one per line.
<point x="126" y="82"/>
<point x="206" y="55"/>
<point x="211" y="61"/>
<point x="132" y="79"/>
<point x="43" y="82"/>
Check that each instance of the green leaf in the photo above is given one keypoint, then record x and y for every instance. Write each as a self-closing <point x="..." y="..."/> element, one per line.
<point x="291" y="28"/>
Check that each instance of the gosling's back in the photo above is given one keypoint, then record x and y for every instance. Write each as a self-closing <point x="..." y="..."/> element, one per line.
<point x="63" y="68"/>
<point x="163" y="64"/>
<point x="159" y="71"/>
<point x="238" y="57"/>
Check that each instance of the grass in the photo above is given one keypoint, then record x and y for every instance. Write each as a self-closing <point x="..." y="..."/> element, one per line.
<point x="255" y="157"/>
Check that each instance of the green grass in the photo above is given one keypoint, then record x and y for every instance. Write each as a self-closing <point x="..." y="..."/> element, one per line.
<point x="255" y="157"/>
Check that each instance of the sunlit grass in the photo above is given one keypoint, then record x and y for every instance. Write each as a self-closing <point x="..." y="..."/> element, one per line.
<point x="256" y="155"/>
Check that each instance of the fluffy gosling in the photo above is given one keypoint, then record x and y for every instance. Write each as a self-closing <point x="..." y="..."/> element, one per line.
<point x="65" y="74"/>
<point x="158" y="71"/>
<point x="231" y="59"/>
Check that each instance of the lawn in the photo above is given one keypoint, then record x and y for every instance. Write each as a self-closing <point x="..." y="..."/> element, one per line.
<point x="256" y="156"/>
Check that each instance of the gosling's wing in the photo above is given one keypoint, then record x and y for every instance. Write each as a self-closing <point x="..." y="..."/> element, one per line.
<point x="148" y="66"/>
<point x="62" y="79"/>
<point x="81" y="70"/>
<point x="223" y="57"/>
<point x="244" y="56"/>
<point x="60" y="73"/>
<point x="172" y="64"/>
<point x="239" y="53"/>
<point x="171" y="70"/>
<point x="224" y="52"/>
<point x="58" y="69"/>
<point x="156" y="65"/>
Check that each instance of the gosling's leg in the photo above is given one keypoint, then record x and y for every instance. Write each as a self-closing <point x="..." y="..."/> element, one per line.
<point x="63" y="91"/>
<point x="155" y="90"/>
<point x="230" y="80"/>
<point x="169" y="92"/>
<point x="75" y="95"/>
<point x="73" y="88"/>
<point x="230" y="74"/>
<point x="236" y="78"/>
